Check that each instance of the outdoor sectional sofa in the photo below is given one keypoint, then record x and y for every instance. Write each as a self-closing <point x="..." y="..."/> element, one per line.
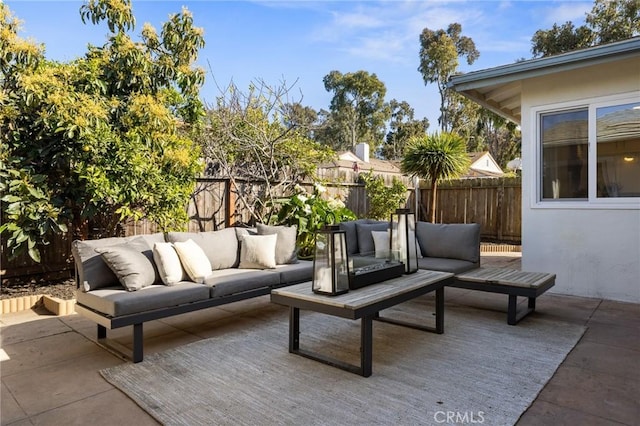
<point x="127" y="281"/>
<point x="442" y="247"/>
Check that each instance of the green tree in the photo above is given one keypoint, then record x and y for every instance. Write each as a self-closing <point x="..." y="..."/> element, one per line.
<point x="439" y="54"/>
<point x="248" y="137"/>
<point x="96" y="140"/>
<point x="301" y="117"/>
<point x="463" y="115"/>
<point x="329" y="131"/>
<point x="608" y="21"/>
<point x="614" y="20"/>
<point x="497" y="135"/>
<point x="560" y="38"/>
<point x="435" y="158"/>
<point x="357" y="109"/>
<point x="402" y="127"/>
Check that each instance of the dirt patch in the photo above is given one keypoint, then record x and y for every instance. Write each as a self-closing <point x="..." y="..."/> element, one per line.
<point x="62" y="288"/>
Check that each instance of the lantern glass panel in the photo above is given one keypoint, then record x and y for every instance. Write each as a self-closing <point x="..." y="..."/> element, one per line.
<point x="331" y="263"/>
<point x="403" y="239"/>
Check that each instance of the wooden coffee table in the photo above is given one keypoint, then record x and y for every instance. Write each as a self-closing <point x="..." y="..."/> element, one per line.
<point x="364" y="304"/>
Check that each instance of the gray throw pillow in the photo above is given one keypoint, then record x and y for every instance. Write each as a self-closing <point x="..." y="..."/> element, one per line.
<point x="93" y="272"/>
<point x="286" y="250"/>
<point x="221" y="247"/>
<point x="131" y="266"/>
<point x="365" y="240"/>
<point x="349" y="227"/>
<point x="452" y="241"/>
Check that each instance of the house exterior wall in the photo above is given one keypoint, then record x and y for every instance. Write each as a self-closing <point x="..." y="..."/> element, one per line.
<point x="594" y="249"/>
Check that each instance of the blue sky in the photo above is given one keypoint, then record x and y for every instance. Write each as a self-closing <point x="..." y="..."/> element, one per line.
<point x="304" y="40"/>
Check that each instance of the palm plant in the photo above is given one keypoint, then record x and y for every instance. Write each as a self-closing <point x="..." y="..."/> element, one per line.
<point x="435" y="158"/>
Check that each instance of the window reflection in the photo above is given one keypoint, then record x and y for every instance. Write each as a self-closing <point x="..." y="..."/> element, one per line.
<point x="618" y="150"/>
<point x="565" y="155"/>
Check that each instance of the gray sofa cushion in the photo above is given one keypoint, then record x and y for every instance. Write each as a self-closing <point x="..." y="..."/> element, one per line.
<point x="221" y="247"/>
<point x="116" y="301"/>
<point x="295" y="273"/>
<point x="93" y="272"/>
<point x="365" y="240"/>
<point x="286" y="251"/>
<point x="241" y="232"/>
<point x="442" y="264"/>
<point x="453" y="241"/>
<point x="231" y="281"/>
<point x="349" y="227"/>
<point x="133" y="269"/>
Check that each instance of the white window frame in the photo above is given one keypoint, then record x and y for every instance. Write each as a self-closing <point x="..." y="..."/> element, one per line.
<point x="592" y="201"/>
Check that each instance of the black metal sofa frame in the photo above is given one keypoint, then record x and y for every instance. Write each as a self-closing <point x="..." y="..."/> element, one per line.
<point x="101" y="299"/>
<point x="105" y="322"/>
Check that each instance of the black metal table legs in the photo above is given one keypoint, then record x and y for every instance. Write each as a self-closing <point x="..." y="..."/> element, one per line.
<point x="366" y="337"/>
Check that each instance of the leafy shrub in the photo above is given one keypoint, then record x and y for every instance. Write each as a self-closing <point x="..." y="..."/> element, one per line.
<point x="310" y="212"/>
<point x="384" y="200"/>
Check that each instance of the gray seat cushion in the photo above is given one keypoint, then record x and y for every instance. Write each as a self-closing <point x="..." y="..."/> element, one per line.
<point x="225" y="282"/>
<point x="295" y="273"/>
<point x="442" y="264"/>
<point x="116" y="301"/>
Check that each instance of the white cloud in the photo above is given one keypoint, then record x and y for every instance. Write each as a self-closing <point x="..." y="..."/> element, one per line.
<point x="567" y="11"/>
<point x="387" y="47"/>
<point x="357" y="20"/>
<point x="387" y="31"/>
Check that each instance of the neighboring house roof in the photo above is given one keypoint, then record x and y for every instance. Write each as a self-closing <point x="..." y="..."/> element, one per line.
<point x="347" y="167"/>
<point x="498" y="89"/>
<point x="482" y="165"/>
<point x="347" y="159"/>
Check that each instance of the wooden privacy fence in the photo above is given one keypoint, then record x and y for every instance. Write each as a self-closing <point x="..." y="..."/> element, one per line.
<point x="215" y="204"/>
<point x="494" y="203"/>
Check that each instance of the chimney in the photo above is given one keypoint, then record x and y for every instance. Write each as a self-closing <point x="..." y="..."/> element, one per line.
<point x="362" y="152"/>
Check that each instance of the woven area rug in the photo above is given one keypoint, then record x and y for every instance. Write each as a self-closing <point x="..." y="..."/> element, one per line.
<point x="481" y="370"/>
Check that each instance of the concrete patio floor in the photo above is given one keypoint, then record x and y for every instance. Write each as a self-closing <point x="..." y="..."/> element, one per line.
<point x="49" y="365"/>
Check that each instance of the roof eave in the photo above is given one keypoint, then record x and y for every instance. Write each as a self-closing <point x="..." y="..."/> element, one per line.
<point x="547" y="65"/>
<point x="472" y="84"/>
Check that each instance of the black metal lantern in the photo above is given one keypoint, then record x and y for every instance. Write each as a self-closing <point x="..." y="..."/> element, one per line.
<point x="404" y="246"/>
<point x="331" y="271"/>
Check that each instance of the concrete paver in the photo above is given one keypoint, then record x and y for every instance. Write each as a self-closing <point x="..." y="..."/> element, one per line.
<point x="51" y="376"/>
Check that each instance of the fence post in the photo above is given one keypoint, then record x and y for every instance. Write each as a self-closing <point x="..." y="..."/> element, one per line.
<point x="500" y="208"/>
<point x="227" y="203"/>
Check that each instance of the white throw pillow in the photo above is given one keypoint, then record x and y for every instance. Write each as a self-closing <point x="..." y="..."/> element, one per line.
<point x="168" y="263"/>
<point x="194" y="261"/>
<point x="381" y="244"/>
<point x="258" y="251"/>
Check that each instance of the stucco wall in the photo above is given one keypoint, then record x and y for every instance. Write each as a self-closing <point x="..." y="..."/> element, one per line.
<point x="595" y="251"/>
